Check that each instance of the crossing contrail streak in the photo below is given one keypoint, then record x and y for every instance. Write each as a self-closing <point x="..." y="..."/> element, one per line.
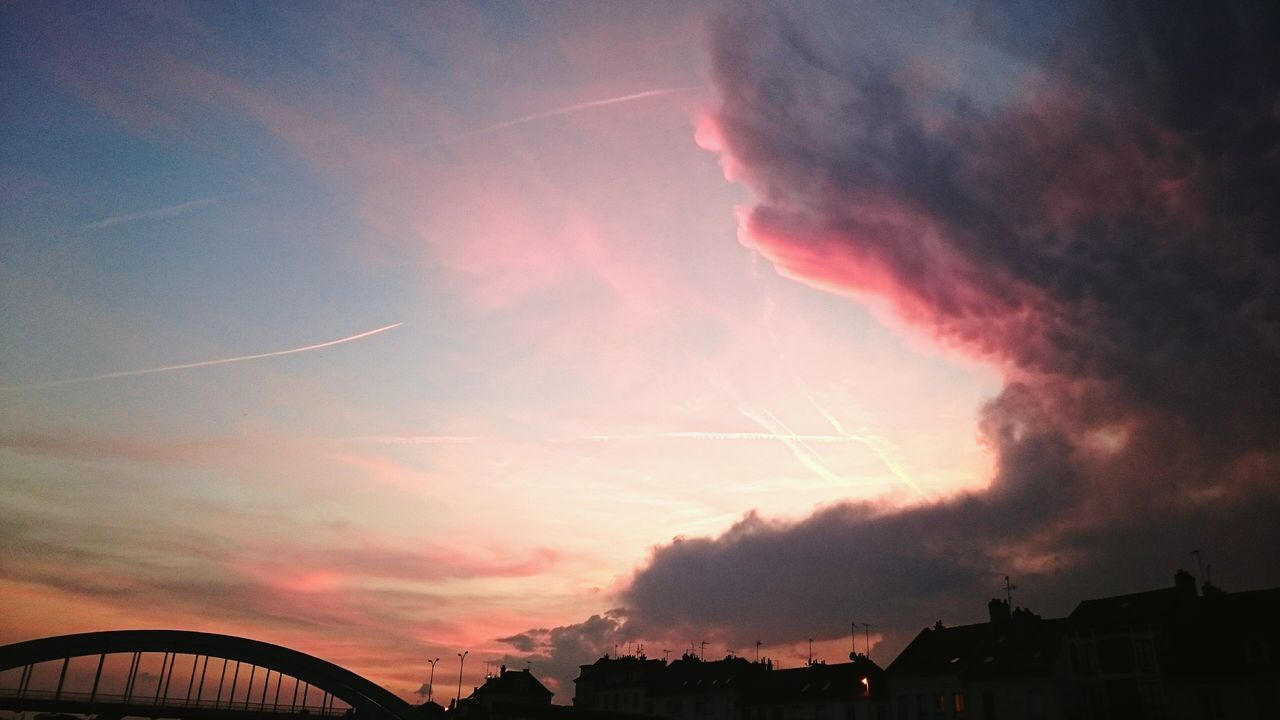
<point x="873" y="442"/>
<point x="568" y="109"/>
<point x="156" y="213"/>
<point x="707" y="435"/>
<point x="202" y="363"/>
<point x="414" y="439"/>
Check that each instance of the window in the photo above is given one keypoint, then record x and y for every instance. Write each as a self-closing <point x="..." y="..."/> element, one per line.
<point x="1094" y="700"/>
<point x="939" y="703"/>
<point x="988" y="705"/>
<point x="1152" y="699"/>
<point x="922" y="710"/>
<point x="1116" y="655"/>
<point x="1210" y="704"/>
<point x="902" y="707"/>
<point x="957" y="702"/>
<point x="1257" y="651"/>
<point x="1264" y="698"/>
<point x="1035" y="704"/>
<point x="1145" y="649"/>
<point x="1088" y="659"/>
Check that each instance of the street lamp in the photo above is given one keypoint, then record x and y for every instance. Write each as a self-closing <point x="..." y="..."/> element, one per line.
<point x="431" y="684"/>
<point x="462" y="659"/>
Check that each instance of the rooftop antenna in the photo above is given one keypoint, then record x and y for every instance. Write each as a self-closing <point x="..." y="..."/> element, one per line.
<point x="1008" y="591"/>
<point x="702" y="654"/>
<point x="811" y="652"/>
<point x="757" y="651"/>
<point x="665" y="654"/>
<point x="853" y="635"/>
<point x="1199" y="563"/>
<point x="866" y="629"/>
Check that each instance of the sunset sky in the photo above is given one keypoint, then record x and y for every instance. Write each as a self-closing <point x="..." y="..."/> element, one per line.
<point x="390" y="331"/>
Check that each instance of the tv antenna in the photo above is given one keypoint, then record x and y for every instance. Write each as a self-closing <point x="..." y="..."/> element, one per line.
<point x="1199" y="563"/>
<point x="1008" y="591"/>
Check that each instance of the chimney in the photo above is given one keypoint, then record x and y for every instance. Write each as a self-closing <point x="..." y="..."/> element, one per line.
<point x="999" y="610"/>
<point x="1185" y="583"/>
<point x="502" y="670"/>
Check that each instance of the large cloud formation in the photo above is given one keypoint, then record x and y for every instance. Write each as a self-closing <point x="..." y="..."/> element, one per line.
<point x="1085" y="196"/>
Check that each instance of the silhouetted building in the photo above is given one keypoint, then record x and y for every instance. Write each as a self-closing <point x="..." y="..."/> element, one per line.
<point x="732" y="689"/>
<point x="845" y="691"/>
<point x="508" y="695"/>
<point x="431" y="710"/>
<point x="1170" y="653"/>
<point x="1174" y="653"/>
<point x="1008" y="667"/>
<point x="691" y="689"/>
<point x="619" y="684"/>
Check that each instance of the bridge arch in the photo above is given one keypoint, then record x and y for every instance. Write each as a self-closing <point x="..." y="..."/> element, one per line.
<point x="366" y="698"/>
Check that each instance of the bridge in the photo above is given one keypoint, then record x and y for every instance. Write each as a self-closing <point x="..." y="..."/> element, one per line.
<point x="188" y="675"/>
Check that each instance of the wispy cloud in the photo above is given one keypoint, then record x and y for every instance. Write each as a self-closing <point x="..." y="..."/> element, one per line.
<point x="569" y="109"/>
<point x="167" y="211"/>
<point x="202" y="363"/>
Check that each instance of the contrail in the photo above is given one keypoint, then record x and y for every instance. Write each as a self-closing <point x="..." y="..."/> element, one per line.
<point x="202" y="363"/>
<point x="156" y="213"/>
<point x="414" y="439"/>
<point x="800" y="449"/>
<point x="568" y="109"/>
<point x="873" y="442"/>
<point x="711" y="435"/>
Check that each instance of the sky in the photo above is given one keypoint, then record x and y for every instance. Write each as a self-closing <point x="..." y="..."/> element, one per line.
<point x="539" y="331"/>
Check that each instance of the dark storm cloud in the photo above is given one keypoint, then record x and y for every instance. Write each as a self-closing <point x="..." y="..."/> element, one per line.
<point x="557" y="652"/>
<point x="1085" y="195"/>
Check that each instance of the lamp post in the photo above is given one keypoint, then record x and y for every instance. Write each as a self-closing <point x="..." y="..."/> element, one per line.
<point x="462" y="660"/>
<point x="431" y="684"/>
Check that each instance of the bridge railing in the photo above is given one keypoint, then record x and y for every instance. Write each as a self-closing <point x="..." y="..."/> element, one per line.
<point x="137" y="700"/>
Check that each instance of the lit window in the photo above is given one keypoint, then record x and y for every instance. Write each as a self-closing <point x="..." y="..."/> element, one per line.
<point x="957" y="702"/>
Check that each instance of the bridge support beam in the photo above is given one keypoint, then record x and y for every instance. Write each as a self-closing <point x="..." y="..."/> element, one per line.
<point x="62" y="678"/>
<point x="97" y="677"/>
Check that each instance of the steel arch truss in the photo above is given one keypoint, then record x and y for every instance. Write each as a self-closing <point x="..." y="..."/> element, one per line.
<point x="366" y="699"/>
